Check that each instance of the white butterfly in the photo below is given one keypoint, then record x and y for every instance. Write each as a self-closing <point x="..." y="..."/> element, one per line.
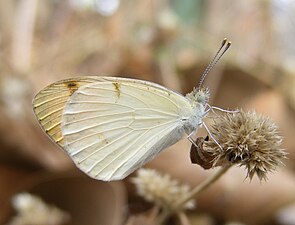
<point x="111" y="126"/>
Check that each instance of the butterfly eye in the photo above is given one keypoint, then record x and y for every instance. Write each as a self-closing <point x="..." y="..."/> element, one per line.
<point x="201" y="95"/>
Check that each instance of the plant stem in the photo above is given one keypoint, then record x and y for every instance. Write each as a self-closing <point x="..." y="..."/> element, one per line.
<point x="202" y="186"/>
<point x="183" y="218"/>
<point x="192" y="194"/>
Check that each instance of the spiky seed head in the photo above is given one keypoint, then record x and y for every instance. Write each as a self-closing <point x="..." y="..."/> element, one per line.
<point x="248" y="139"/>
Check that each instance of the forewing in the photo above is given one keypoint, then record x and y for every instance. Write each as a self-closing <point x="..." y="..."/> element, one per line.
<point x="111" y="128"/>
<point x="49" y="104"/>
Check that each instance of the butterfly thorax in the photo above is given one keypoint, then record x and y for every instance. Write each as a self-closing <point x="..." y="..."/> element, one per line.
<point x="198" y="99"/>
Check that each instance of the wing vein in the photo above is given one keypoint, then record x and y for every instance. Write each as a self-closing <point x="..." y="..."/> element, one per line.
<point x="125" y="93"/>
<point x="97" y="102"/>
<point x="49" y="100"/>
<point x="50" y="106"/>
<point x="131" y="143"/>
<point x="135" y="152"/>
<point x="97" y="133"/>
<point x="123" y="151"/>
<point x="92" y="144"/>
<point x="98" y="116"/>
<point x="90" y="127"/>
<point x="54" y="111"/>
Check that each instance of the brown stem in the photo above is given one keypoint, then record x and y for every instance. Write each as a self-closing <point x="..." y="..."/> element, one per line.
<point x="192" y="194"/>
<point x="183" y="218"/>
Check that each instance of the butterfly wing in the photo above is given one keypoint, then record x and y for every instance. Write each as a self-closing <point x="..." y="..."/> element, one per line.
<point x="49" y="104"/>
<point x="111" y="128"/>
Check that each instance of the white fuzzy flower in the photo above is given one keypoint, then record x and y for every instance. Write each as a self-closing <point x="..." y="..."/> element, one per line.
<point x="31" y="210"/>
<point x="160" y="189"/>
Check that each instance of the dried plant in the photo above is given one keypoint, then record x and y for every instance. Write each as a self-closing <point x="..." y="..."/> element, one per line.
<point x="31" y="210"/>
<point x="160" y="189"/>
<point x="247" y="139"/>
<point x="244" y="138"/>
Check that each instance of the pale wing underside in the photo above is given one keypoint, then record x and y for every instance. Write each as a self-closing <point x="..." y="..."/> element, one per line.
<point x="49" y="104"/>
<point x="112" y="128"/>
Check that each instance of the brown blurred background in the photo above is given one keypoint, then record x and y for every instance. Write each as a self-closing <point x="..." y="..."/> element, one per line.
<point x="169" y="42"/>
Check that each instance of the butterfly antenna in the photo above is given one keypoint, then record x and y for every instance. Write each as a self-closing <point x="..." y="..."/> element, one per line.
<point x="215" y="60"/>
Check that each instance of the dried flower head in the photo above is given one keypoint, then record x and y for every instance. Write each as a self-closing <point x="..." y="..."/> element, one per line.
<point x="248" y="139"/>
<point x="34" y="211"/>
<point x="160" y="189"/>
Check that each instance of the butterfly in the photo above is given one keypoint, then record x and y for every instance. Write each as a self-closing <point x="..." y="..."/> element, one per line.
<point x="111" y="126"/>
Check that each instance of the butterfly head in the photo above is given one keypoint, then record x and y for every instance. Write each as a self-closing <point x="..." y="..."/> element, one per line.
<point x="199" y="96"/>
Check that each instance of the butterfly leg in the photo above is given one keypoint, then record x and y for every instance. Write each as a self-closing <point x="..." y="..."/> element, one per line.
<point x="224" y="110"/>
<point x="191" y="140"/>
<point x="211" y="135"/>
<point x="211" y="108"/>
